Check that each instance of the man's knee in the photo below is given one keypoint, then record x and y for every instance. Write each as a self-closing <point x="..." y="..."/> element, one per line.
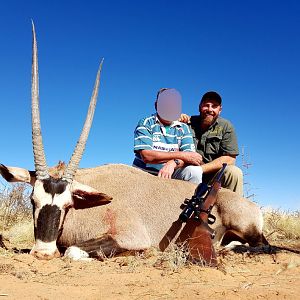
<point x="233" y="172"/>
<point x="194" y="174"/>
<point x="190" y="173"/>
<point x="233" y="179"/>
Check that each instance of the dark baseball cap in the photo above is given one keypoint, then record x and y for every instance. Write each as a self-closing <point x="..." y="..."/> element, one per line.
<point x="212" y="96"/>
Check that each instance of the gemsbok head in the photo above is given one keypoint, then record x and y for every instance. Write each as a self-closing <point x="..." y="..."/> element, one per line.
<point x="51" y="197"/>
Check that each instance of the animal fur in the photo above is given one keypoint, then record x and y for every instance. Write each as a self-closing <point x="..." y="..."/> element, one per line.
<point x="144" y="211"/>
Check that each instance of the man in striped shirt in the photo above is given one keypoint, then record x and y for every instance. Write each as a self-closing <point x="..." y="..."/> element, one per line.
<point x="163" y="146"/>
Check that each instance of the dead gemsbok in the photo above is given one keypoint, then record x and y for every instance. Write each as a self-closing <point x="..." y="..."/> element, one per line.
<point x="73" y="207"/>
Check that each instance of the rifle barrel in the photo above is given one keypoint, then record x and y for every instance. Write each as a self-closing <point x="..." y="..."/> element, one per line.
<point x="220" y="174"/>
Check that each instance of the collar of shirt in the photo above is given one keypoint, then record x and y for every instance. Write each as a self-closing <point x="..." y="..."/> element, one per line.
<point x="173" y="124"/>
<point x="214" y="123"/>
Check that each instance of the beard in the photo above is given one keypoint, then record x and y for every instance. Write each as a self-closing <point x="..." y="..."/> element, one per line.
<point x="208" y="120"/>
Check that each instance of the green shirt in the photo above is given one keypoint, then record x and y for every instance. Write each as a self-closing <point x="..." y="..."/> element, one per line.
<point x="219" y="139"/>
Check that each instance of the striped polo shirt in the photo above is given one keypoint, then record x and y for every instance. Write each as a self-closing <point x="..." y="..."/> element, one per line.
<point x="151" y="134"/>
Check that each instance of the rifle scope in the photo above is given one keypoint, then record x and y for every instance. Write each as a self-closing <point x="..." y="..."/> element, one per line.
<point x="194" y="202"/>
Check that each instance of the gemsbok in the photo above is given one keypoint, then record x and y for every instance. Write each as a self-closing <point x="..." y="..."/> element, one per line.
<point x="113" y="208"/>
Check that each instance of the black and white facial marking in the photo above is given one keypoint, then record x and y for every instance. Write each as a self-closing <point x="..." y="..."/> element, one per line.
<point x="48" y="223"/>
<point x="50" y="199"/>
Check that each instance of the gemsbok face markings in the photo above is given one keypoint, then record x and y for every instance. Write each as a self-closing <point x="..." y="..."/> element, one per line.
<point x="48" y="221"/>
<point x="51" y="198"/>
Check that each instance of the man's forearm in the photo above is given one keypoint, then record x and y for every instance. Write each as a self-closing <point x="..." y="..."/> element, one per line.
<point x="158" y="157"/>
<point x="216" y="164"/>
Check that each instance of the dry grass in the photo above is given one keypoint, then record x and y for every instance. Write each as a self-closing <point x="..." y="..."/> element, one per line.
<point x="15" y="206"/>
<point x="16" y="215"/>
<point x="172" y="260"/>
<point x="21" y="234"/>
<point x="282" y="226"/>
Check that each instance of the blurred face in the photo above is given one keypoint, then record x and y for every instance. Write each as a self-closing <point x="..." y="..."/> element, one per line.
<point x="168" y="105"/>
<point x="209" y="111"/>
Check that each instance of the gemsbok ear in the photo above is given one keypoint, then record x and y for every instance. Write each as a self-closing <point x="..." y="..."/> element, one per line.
<point x="85" y="196"/>
<point x="14" y="174"/>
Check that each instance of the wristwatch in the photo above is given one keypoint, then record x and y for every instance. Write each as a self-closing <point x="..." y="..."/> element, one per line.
<point x="177" y="162"/>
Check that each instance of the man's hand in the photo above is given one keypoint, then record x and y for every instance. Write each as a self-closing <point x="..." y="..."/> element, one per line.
<point x="167" y="170"/>
<point x="191" y="158"/>
<point x="184" y="118"/>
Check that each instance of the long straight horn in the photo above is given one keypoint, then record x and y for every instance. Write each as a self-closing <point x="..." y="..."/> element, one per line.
<point x="37" y="141"/>
<point x="79" y="149"/>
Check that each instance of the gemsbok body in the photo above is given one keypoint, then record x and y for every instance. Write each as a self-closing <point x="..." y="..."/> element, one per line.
<point x="114" y="208"/>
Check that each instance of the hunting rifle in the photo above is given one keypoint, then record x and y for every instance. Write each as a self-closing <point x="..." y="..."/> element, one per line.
<point x="197" y="215"/>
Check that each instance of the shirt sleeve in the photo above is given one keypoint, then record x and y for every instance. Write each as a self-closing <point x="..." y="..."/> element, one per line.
<point x="229" y="143"/>
<point x="143" y="136"/>
<point x="187" y="143"/>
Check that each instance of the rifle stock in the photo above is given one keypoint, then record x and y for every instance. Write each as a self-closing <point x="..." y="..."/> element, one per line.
<point x="200" y="243"/>
<point x="197" y="231"/>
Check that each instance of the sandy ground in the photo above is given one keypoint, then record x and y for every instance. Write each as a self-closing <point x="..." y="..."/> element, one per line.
<point x="149" y="276"/>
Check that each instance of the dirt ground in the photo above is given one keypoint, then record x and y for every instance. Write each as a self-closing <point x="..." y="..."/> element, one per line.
<point x="148" y="276"/>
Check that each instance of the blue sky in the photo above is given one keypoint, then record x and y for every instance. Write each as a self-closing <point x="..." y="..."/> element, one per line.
<point x="248" y="51"/>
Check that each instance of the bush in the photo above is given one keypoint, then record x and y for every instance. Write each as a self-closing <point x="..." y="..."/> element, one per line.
<point x="282" y="226"/>
<point x="15" y="205"/>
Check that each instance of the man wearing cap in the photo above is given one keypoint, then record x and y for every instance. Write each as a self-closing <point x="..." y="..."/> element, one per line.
<point x="164" y="146"/>
<point x="215" y="140"/>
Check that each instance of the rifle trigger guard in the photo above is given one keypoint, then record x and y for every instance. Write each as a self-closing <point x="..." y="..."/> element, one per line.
<point x="211" y="219"/>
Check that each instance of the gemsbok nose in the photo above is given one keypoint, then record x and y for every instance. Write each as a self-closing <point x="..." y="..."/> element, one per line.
<point x="44" y="255"/>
